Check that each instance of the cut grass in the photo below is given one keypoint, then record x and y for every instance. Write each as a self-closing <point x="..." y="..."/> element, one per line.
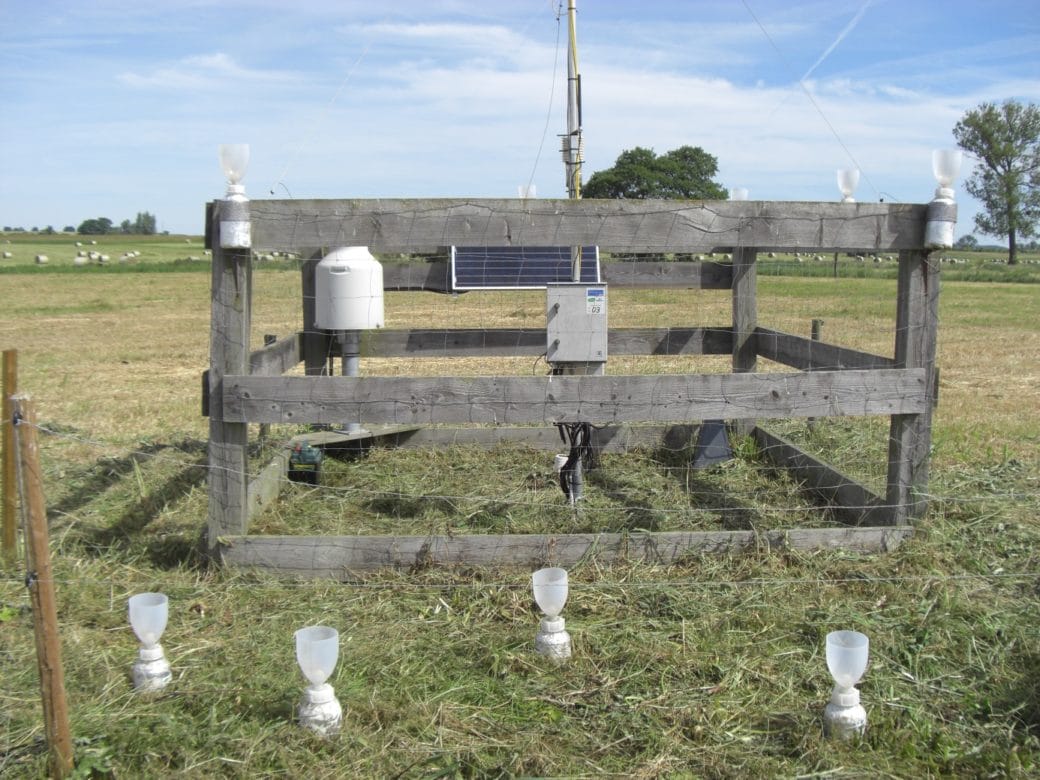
<point x="513" y="490"/>
<point x="710" y="668"/>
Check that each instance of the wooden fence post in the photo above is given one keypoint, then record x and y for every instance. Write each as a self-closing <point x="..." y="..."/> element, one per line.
<point x="230" y="308"/>
<point x="910" y="436"/>
<point x="745" y="318"/>
<point x="40" y="580"/>
<point x="9" y="490"/>
<point x="316" y="346"/>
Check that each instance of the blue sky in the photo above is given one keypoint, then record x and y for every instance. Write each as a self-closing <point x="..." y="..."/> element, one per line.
<point x="111" y="107"/>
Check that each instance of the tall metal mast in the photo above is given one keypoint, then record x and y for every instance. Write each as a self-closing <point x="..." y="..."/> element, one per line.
<point x="573" y="146"/>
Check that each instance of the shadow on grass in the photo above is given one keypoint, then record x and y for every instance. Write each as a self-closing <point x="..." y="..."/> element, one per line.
<point x="705" y="489"/>
<point x="1021" y="696"/>
<point x="136" y="474"/>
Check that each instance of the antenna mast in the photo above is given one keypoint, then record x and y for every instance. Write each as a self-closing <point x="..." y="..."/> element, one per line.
<point x="573" y="146"/>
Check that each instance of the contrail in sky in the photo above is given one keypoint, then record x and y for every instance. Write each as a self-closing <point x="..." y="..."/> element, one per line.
<point x="841" y="36"/>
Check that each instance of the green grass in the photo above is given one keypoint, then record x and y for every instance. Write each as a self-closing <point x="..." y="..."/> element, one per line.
<point x="710" y="668"/>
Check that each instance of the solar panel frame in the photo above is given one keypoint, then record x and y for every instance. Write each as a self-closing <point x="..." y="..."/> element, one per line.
<point x="519" y="268"/>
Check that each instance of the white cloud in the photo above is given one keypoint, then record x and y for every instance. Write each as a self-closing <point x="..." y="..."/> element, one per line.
<point x="204" y="71"/>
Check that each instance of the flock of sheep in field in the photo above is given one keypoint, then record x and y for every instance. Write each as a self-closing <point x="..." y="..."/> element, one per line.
<point x="85" y="257"/>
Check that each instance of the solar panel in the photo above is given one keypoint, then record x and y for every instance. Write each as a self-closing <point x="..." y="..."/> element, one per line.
<point x="518" y="268"/>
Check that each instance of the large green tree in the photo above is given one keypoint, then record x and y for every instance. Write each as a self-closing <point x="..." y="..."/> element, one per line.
<point x="95" y="227"/>
<point x="686" y="172"/>
<point x="1005" y="140"/>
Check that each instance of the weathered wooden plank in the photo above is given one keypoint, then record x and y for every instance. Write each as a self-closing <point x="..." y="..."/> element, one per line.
<point x="910" y="437"/>
<point x="268" y="484"/>
<point x="509" y="342"/>
<point x="695" y="275"/>
<point x="745" y="320"/>
<point x="341" y="557"/>
<point x="809" y="355"/>
<point x="595" y="399"/>
<point x="277" y="358"/>
<point x="229" y="351"/>
<point x="608" y="438"/>
<point x="433" y="276"/>
<point x="426" y="225"/>
<point x="669" y="341"/>
<point x="851" y="501"/>
<point x="316" y="343"/>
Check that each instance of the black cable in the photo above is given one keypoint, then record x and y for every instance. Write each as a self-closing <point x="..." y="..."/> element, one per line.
<point x="578" y="436"/>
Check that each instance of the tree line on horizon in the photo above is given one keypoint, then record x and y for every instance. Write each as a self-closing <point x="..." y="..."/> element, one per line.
<point x="143" y="225"/>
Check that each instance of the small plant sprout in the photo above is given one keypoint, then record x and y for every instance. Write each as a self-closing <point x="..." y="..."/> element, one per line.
<point x="847" y="653"/>
<point x="848" y="180"/>
<point x="148" y="613"/>
<point x="317" y="648"/>
<point x="942" y="211"/>
<point x="550" y="593"/>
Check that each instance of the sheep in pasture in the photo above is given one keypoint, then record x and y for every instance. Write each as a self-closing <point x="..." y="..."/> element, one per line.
<point x="8" y="255"/>
<point x="79" y="260"/>
<point x="41" y="259"/>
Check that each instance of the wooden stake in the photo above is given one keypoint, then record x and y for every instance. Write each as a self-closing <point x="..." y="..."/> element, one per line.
<point x="815" y="331"/>
<point x="40" y="581"/>
<point x="8" y="490"/>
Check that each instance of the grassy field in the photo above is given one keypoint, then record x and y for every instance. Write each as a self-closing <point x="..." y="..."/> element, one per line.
<point x="713" y="668"/>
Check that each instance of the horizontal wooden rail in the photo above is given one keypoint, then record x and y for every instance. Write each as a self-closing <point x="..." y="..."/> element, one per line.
<point x="426" y="225"/>
<point x="435" y="276"/>
<point x="339" y="557"/>
<point x="850" y="501"/>
<point x="277" y="358"/>
<point x="594" y="399"/>
<point x="607" y="438"/>
<point x="510" y="342"/>
<point x="809" y="355"/>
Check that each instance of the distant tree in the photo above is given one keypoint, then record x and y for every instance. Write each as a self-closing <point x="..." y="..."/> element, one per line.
<point x="125" y="227"/>
<point x="144" y="224"/>
<point x="95" y="227"/>
<point x="968" y="242"/>
<point x="1005" y="140"/>
<point x="49" y="230"/>
<point x="68" y="229"/>
<point x="686" y="172"/>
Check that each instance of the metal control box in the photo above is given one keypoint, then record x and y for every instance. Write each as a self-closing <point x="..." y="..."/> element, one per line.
<point x="576" y="323"/>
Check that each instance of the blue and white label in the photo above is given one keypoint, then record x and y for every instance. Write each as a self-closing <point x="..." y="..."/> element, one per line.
<point x="595" y="300"/>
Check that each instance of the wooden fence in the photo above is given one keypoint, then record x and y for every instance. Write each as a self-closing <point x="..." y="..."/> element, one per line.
<point x="827" y="380"/>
